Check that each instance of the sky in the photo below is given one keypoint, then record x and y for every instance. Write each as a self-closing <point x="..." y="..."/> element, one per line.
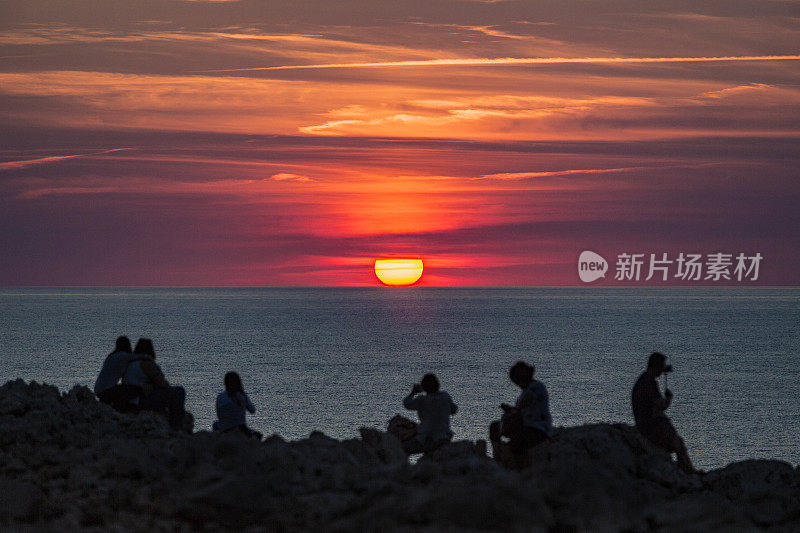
<point x="230" y="143"/>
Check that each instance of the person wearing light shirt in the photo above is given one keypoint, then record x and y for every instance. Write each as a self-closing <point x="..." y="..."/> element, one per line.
<point x="233" y="404"/>
<point x="434" y="409"/>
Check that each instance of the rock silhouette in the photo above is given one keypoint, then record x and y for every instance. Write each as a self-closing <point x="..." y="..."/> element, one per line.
<point x="69" y="462"/>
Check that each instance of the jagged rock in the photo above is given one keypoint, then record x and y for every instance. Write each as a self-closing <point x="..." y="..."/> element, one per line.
<point x="68" y="462"/>
<point x="385" y="446"/>
<point x="768" y="492"/>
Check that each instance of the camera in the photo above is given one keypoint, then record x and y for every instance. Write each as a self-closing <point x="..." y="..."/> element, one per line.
<point x="668" y="368"/>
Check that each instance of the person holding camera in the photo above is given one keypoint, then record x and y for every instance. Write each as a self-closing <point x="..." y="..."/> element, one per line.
<point x="648" y="411"/>
<point x="232" y="405"/>
<point x="434" y="409"/>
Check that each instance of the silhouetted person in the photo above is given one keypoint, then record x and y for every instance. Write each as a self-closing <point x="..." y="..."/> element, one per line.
<point x="107" y="387"/>
<point x="434" y="409"/>
<point x="232" y="406"/>
<point x="528" y="423"/>
<point x="157" y="394"/>
<point x="648" y="411"/>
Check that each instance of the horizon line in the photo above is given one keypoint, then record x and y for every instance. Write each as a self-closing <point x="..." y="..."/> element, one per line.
<point x="585" y="285"/>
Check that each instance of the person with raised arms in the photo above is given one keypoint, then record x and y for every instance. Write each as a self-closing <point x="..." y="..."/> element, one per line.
<point x="434" y="409"/>
<point x="648" y="412"/>
<point x="233" y="404"/>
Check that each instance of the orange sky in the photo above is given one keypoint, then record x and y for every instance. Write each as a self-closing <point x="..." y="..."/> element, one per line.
<point x="274" y="143"/>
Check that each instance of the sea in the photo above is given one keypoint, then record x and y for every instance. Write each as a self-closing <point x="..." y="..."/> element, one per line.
<point x="336" y="359"/>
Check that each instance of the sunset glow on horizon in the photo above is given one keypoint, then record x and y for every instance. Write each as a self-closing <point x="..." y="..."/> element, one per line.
<point x="270" y="143"/>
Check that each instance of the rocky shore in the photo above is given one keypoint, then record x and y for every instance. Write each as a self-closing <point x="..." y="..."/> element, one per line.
<point x="68" y="462"/>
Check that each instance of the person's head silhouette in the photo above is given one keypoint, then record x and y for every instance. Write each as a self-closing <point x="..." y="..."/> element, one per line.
<point x="123" y="344"/>
<point x="233" y="383"/>
<point x="145" y="346"/>
<point x="430" y="383"/>
<point x="521" y="374"/>
<point x="656" y="364"/>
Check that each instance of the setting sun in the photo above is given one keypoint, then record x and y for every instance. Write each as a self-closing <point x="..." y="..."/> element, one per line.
<point x="398" y="271"/>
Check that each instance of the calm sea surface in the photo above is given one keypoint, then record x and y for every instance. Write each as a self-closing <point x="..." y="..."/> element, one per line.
<point x="334" y="359"/>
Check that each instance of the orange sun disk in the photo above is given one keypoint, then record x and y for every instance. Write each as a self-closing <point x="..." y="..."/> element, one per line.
<point x="397" y="272"/>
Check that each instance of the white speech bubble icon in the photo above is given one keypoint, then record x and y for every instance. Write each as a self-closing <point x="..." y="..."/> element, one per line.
<point x="591" y="266"/>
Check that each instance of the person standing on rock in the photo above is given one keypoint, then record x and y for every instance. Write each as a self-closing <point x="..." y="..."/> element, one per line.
<point x="648" y="411"/>
<point x="232" y="406"/>
<point x="434" y="409"/>
<point x="107" y="387"/>
<point x="157" y="393"/>
<point x="528" y="422"/>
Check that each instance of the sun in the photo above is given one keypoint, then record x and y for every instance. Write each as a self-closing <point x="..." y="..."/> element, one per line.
<point x="398" y="272"/>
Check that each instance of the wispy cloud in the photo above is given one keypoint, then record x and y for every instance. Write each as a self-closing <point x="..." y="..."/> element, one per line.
<point x="81" y="186"/>
<point x="738" y="90"/>
<point x="515" y="176"/>
<point x="290" y="177"/>
<point x="52" y="159"/>
<point x="287" y="46"/>
<point x="520" y="61"/>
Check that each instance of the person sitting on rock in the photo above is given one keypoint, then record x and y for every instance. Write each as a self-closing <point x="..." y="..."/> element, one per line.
<point x="528" y="422"/>
<point x="157" y="393"/>
<point x="107" y="387"/>
<point x="434" y="409"/>
<point x="232" y="406"/>
<point x="648" y="411"/>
